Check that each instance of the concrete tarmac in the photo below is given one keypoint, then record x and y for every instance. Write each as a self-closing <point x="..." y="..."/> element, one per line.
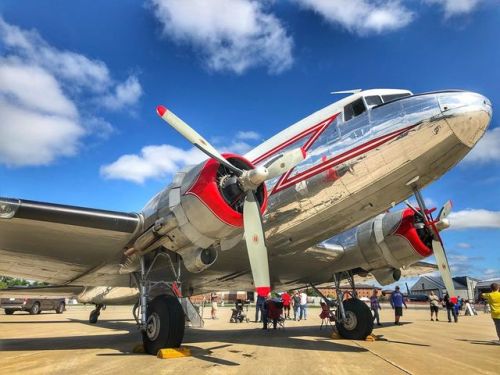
<point x="50" y="343"/>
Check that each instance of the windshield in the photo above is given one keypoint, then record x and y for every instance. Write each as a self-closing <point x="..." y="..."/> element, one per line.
<point x="373" y="100"/>
<point x="354" y="109"/>
<point x="391" y="97"/>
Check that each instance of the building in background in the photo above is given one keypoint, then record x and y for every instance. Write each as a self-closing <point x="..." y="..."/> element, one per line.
<point x="464" y="286"/>
<point x="364" y="290"/>
<point x="484" y="287"/>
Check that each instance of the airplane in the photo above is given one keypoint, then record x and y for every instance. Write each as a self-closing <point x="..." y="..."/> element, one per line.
<point x="311" y="205"/>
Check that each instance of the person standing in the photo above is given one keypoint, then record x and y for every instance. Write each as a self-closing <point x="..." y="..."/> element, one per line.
<point x="285" y="297"/>
<point x="213" y="300"/>
<point x="450" y="307"/>
<point x="434" y="304"/>
<point x="259" y="307"/>
<point x="296" y="304"/>
<point x="375" y="306"/>
<point x="397" y="302"/>
<point x="303" y="306"/>
<point x="493" y="299"/>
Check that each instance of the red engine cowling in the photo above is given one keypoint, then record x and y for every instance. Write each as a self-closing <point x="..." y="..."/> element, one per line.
<point x="385" y="244"/>
<point x="201" y="209"/>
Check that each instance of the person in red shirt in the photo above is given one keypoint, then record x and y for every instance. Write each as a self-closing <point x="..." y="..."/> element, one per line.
<point x="285" y="297"/>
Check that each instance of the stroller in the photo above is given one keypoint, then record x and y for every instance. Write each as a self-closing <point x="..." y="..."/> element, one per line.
<point x="238" y="315"/>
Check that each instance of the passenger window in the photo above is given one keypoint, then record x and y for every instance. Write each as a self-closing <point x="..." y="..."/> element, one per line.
<point x="373" y="100"/>
<point x="354" y="109"/>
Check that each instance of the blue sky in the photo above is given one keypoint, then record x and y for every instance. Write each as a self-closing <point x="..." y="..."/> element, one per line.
<point x="79" y="83"/>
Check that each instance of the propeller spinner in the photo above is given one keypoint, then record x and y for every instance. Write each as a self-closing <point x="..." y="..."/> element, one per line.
<point x="248" y="181"/>
<point x="437" y="242"/>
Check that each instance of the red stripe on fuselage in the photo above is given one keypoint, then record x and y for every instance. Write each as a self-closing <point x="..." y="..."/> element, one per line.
<point x="286" y="181"/>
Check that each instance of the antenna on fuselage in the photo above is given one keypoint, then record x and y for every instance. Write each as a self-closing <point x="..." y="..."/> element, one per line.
<point x="354" y="91"/>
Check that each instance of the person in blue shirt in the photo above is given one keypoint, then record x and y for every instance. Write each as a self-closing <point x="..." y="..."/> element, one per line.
<point x="397" y="302"/>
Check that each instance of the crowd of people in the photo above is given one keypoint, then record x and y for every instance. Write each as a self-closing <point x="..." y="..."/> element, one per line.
<point x="277" y="309"/>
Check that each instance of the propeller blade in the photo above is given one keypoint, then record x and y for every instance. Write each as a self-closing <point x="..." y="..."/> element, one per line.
<point x="256" y="245"/>
<point x="284" y="162"/>
<point x="444" y="267"/>
<point x="445" y="210"/>
<point x="192" y="136"/>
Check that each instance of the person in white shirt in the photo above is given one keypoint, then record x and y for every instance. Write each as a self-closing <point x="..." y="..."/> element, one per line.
<point x="303" y="306"/>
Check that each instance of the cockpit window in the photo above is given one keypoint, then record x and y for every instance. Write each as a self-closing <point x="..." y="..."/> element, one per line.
<point x="354" y="109"/>
<point x="373" y="100"/>
<point x="391" y="97"/>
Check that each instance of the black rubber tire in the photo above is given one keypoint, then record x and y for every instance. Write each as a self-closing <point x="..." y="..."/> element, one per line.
<point x="60" y="308"/>
<point x="364" y="320"/>
<point x="171" y="324"/>
<point x="9" y="311"/>
<point x="35" y="308"/>
<point x="94" y="315"/>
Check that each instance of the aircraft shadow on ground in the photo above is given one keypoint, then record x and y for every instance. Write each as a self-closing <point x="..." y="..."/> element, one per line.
<point x="303" y="338"/>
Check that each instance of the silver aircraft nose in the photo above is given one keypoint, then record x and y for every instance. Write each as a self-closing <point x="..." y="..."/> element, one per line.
<point x="467" y="113"/>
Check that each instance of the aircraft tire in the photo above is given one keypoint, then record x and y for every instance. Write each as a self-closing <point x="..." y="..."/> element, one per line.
<point x="165" y="324"/>
<point x="359" y="320"/>
<point x="94" y="315"/>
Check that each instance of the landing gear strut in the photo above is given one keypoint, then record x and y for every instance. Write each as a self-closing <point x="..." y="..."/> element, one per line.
<point x="94" y="314"/>
<point x="354" y="319"/>
<point x="161" y="319"/>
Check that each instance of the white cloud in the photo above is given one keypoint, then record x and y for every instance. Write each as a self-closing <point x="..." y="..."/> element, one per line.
<point x="38" y="122"/>
<point x="231" y="35"/>
<point x="126" y="93"/>
<point x="39" y="88"/>
<point x="248" y="135"/>
<point x="362" y="16"/>
<point x="490" y="273"/>
<point x="464" y="245"/>
<point x="455" y="7"/>
<point x="487" y="149"/>
<point x="155" y="161"/>
<point x="161" y="161"/>
<point x="474" y="219"/>
<point x="32" y="86"/>
<point x="73" y="70"/>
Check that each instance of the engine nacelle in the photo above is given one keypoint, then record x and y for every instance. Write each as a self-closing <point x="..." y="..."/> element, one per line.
<point x="201" y="209"/>
<point x="385" y="244"/>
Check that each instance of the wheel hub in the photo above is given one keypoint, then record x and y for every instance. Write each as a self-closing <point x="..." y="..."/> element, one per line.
<point x="350" y="321"/>
<point x="153" y="326"/>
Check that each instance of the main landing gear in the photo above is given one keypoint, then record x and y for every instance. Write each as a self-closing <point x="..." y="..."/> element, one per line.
<point x="161" y="319"/>
<point x="354" y="318"/>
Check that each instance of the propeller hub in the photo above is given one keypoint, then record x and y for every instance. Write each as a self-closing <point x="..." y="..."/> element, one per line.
<point x="253" y="178"/>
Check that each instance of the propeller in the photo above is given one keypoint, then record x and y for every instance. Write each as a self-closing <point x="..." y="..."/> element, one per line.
<point x="437" y="242"/>
<point x="248" y="181"/>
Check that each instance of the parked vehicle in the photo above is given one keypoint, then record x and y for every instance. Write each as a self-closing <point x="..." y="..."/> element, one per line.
<point x="418" y="297"/>
<point x="32" y="305"/>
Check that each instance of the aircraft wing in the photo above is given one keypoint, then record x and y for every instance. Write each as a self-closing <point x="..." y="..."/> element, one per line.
<point x="59" y="244"/>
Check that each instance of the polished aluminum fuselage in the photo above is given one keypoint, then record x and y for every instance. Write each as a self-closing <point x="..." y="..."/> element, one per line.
<point x="355" y="170"/>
